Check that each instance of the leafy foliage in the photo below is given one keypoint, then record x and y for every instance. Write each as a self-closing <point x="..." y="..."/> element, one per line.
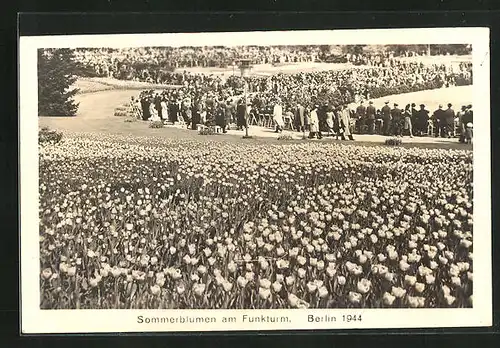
<point x="393" y="142"/>
<point x="207" y="131"/>
<point x="285" y="137"/>
<point x="46" y="135"/>
<point x="156" y="124"/>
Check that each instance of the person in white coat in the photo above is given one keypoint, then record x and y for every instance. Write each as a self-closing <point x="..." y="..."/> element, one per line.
<point x="278" y="116"/>
<point x="153" y="112"/>
<point x="164" y="110"/>
<point x="345" y="122"/>
<point x="314" y="123"/>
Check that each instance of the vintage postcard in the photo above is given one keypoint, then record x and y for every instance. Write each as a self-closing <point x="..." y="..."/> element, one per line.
<point x="255" y="181"/>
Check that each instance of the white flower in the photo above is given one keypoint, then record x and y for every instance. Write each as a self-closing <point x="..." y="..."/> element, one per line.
<point x="362" y="259"/>
<point x="410" y="280"/>
<point x="413" y="302"/>
<point x="364" y="286"/>
<point x="456" y="281"/>
<point x="322" y="292"/>
<point x="290" y="280"/>
<point x="199" y="289"/>
<point x="231" y="266"/>
<point x="264" y="293"/>
<point x="419" y="287"/>
<point x="449" y="299"/>
<point x="430" y="279"/>
<point x="227" y="286"/>
<point x="389" y="276"/>
<point x="354" y="297"/>
<point x="293" y="300"/>
<point x="249" y="276"/>
<point x="403" y="265"/>
<point x="242" y="281"/>
<point x="264" y="283"/>
<point x="155" y="290"/>
<point x="301" y="260"/>
<point x="311" y="287"/>
<point x="388" y="299"/>
<point x="398" y="292"/>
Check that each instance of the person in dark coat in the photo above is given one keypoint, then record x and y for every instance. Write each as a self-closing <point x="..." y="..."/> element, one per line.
<point x="336" y="121"/>
<point x="397" y="120"/>
<point x="386" y="117"/>
<point x="438" y="121"/>
<point x="210" y="107"/>
<point x="449" y="121"/>
<point x="241" y="111"/>
<point x="370" y="117"/>
<point x="173" y="110"/>
<point x="361" y="117"/>
<point x="461" y="125"/>
<point x="323" y="127"/>
<point x="422" y="120"/>
<point x="228" y="113"/>
<point x="145" y="108"/>
<point x="220" y="116"/>
<point x="413" y="110"/>
<point x="158" y="108"/>
<point x="414" y="120"/>
<point x="188" y="115"/>
<point x="196" y="114"/>
<point x="300" y="118"/>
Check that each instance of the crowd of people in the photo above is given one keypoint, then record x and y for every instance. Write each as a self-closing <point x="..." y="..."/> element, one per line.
<point x="324" y="95"/>
<point x="317" y="119"/>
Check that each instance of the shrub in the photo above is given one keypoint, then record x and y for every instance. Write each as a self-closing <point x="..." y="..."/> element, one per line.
<point x="46" y="135"/>
<point x="131" y="119"/>
<point x="285" y="137"/>
<point x="156" y="124"/>
<point x="393" y="142"/>
<point x="207" y="131"/>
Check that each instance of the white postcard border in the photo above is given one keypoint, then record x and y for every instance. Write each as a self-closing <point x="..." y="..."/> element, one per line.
<point x="35" y="320"/>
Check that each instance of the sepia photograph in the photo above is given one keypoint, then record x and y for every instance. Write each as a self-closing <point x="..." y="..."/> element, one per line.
<point x="261" y="177"/>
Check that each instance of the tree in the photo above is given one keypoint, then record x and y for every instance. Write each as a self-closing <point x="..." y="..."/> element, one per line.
<point x="57" y="71"/>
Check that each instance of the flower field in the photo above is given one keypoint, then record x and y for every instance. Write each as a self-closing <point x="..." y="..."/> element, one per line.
<point x="157" y="223"/>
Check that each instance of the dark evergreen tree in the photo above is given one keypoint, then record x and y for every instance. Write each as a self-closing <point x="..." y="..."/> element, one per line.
<point x="57" y="71"/>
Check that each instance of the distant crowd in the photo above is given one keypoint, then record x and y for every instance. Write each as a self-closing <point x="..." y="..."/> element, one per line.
<point x="156" y="64"/>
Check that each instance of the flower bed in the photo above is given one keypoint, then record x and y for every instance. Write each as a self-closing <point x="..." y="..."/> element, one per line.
<point x="158" y="223"/>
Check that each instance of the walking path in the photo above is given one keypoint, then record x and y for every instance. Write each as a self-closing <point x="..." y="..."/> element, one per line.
<point x="263" y="132"/>
<point x="96" y="114"/>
